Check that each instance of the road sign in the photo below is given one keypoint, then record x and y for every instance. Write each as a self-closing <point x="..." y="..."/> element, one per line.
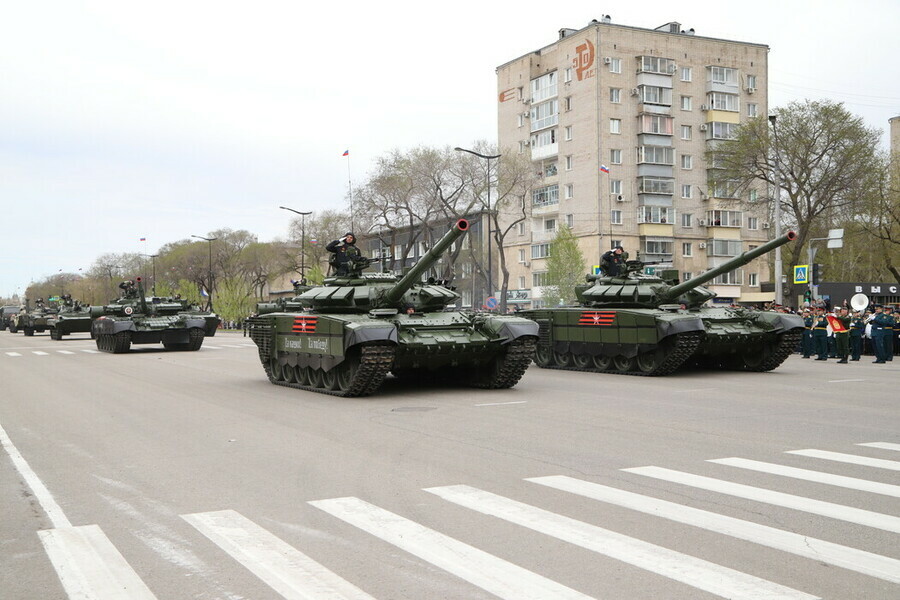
<point x="595" y="270"/>
<point x="491" y="302"/>
<point x="801" y="274"/>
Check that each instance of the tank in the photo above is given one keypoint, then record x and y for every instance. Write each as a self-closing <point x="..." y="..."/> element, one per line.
<point x="72" y="317"/>
<point x="640" y="324"/>
<point x="346" y="336"/>
<point x="136" y="319"/>
<point x="31" y="321"/>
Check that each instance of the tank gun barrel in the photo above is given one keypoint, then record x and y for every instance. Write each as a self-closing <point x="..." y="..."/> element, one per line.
<point x="394" y="294"/>
<point x="731" y="265"/>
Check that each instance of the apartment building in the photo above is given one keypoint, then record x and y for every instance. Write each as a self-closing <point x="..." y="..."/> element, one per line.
<point x="617" y="121"/>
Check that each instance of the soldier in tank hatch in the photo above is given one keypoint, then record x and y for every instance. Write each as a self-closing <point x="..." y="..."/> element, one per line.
<point x="345" y="253"/>
<point x="612" y="261"/>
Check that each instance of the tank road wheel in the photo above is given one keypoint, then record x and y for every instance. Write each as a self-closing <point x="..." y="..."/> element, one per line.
<point x="55" y="333"/>
<point x="346" y="371"/>
<point x="562" y="359"/>
<point x="648" y="362"/>
<point x="330" y="378"/>
<point x="581" y="361"/>
<point x="277" y="370"/>
<point x="623" y="363"/>
<point x="602" y="362"/>
<point x="543" y="356"/>
<point x="301" y="375"/>
<point x="289" y="373"/>
<point x="29" y="331"/>
<point x="13" y="328"/>
<point x="316" y="379"/>
<point x="196" y="336"/>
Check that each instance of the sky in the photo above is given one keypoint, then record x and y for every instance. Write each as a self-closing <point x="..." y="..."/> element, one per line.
<point x="166" y="119"/>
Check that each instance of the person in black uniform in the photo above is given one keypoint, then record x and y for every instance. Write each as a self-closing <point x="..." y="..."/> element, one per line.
<point x="820" y="334"/>
<point x="806" y="342"/>
<point x="345" y="253"/>
<point x="842" y="338"/>
<point x="857" y="331"/>
<point x="889" y="325"/>
<point x="612" y="261"/>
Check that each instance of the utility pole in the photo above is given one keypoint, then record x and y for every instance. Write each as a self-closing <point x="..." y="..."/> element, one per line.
<point x="209" y="302"/>
<point x="303" y="216"/>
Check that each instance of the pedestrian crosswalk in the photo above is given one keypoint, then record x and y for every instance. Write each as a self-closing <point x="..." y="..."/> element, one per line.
<point x="77" y="351"/>
<point x="292" y="571"/>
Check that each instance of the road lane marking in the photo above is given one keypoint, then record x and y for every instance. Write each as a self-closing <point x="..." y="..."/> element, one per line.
<point x="91" y="351"/>
<point x="503" y="403"/>
<point x="875" y="487"/>
<point x="860" y="561"/>
<point x="692" y="571"/>
<point x="880" y="463"/>
<point x="13" y="354"/>
<point x="65" y="352"/>
<point x="39" y="353"/>
<point x="479" y="568"/>
<point x="816" y="507"/>
<point x="844" y="380"/>
<point x="208" y="347"/>
<point x="231" y="346"/>
<point x="882" y="445"/>
<point x="281" y="566"/>
<point x="90" y="567"/>
<point x="41" y="493"/>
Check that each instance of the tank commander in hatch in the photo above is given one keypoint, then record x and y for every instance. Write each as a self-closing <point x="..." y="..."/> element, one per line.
<point x="345" y="254"/>
<point x="613" y="261"/>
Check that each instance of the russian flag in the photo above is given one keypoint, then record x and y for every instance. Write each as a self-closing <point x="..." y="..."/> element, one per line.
<point x="604" y="168"/>
<point x="143" y="240"/>
<point x="346" y="153"/>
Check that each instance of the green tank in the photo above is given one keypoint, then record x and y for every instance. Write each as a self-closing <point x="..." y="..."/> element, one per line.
<point x="72" y="317"/>
<point x="640" y="324"/>
<point x="346" y="336"/>
<point x="136" y="319"/>
<point x="32" y="321"/>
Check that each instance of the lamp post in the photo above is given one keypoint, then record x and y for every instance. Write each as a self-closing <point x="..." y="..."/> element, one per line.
<point x="490" y="269"/>
<point x="209" y="304"/>
<point x="779" y="292"/>
<point x="302" y="238"/>
<point x="152" y="258"/>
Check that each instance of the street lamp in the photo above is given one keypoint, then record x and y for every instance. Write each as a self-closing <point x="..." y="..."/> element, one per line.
<point x="209" y="305"/>
<point x="779" y="292"/>
<point x="302" y="238"/>
<point x="152" y="258"/>
<point x="490" y="269"/>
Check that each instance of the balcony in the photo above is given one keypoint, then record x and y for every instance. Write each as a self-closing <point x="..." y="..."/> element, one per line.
<point x="545" y="151"/>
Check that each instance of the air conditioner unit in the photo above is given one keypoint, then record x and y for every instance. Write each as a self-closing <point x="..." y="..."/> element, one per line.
<point x="526" y="100"/>
<point x="526" y="143"/>
<point x="750" y="90"/>
<point x="701" y="222"/>
<point x="635" y="91"/>
<point x="704" y="107"/>
<point x="526" y="264"/>
<point x="672" y="68"/>
<point x="607" y="60"/>
<point x="526" y="115"/>
<point x="617" y="197"/>
<point x="704" y="127"/>
<point x="766" y="225"/>
<point x="702" y="245"/>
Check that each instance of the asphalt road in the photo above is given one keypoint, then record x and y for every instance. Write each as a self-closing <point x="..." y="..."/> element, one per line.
<point x="175" y="475"/>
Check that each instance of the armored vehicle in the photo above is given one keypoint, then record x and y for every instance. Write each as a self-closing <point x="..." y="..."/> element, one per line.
<point x="136" y="319"/>
<point x="72" y="317"/>
<point x="344" y="337"/>
<point x="6" y="314"/>
<point x="640" y="324"/>
<point x="34" y="320"/>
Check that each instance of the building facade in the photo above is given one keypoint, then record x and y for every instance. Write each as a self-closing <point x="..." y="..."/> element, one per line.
<point x="617" y="121"/>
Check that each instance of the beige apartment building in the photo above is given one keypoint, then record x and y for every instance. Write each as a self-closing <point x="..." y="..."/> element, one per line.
<point x="617" y="121"/>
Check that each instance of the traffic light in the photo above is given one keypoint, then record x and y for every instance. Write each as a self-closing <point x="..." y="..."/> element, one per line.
<point x="807" y="295"/>
<point x="817" y="273"/>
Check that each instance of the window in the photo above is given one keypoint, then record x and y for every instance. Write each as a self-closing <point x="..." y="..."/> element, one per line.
<point x="752" y="109"/>
<point x="723" y="131"/>
<point x="570" y="221"/>
<point x="687" y="161"/>
<point x="655" y="64"/>
<point x="686" y="276"/>
<point x="398" y="251"/>
<point x="545" y="114"/>
<point x="540" y="250"/>
<point x="615" y="65"/>
<point x="753" y="279"/>
<point x="656" y="214"/>
<point x="686" y="103"/>
<point x="545" y="196"/>
<point x="521" y="119"/>
<point x="567" y="103"/>
<point x="730" y="278"/>
<point x="657" y="155"/>
<point x="569" y="163"/>
<point x="615" y="157"/>
<point x="521" y="282"/>
<point x="754" y="195"/>
<point x="656" y="124"/>
<point x="522" y="146"/>
<point x="686" y="73"/>
<point x="656" y="185"/>
<point x="656" y="246"/>
<point x="651" y="94"/>
<point x="724" y="188"/>
<point x="615" y="125"/>
<point x="686" y="190"/>
<point x="613" y="244"/>
<point x="752" y="223"/>
<point x="543" y="87"/>
<point x="615" y="217"/>
<point x="724" y="75"/>
<point x="720" y="101"/>
<point x="549" y="225"/>
<point x="751" y="82"/>
<point x="685" y="132"/>
<point x="724" y="218"/>
<point x="615" y="186"/>
<point x="570" y="190"/>
<point x="467" y="297"/>
<point x="521" y="228"/>
<point x="550" y="169"/>
<point x="687" y="249"/>
<point x="521" y="255"/>
<point x="687" y="220"/>
<point x="567" y="75"/>
<point x="615" y="95"/>
<point x="543" y="138"/>
<point x="539" y="279"/>
<point x="568" y="132"/>
<point x="723" y="247"/>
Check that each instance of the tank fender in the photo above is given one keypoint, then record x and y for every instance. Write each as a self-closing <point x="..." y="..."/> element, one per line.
<point x="665" y="328"/>
<point x="112" y="326"/>
<point x="361" y="335"/>
<point x="198" y="322"/>
<point x="780" y="321"/>
<point x="511" y="328"/>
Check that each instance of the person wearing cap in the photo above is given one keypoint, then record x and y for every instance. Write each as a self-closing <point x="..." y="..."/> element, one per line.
<point x="890" y="323"/>
<point x="857" y="330"/>
<point x="878" y="321"/>
<point x="806" y="342"/>
<point x="345" y="252"/>
<point x="842" y="338"/>
<point x="820" y="334"/>
<point x="612" y="261"/>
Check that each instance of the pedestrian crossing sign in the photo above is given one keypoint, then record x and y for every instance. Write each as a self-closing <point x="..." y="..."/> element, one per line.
<point x="595" y="269"/>
<point x="801" y="274"/>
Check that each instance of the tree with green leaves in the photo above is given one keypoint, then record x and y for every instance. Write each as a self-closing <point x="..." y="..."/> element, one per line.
<point x="565" y="269"/>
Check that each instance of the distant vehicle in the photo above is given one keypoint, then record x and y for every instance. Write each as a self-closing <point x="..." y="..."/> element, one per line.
<point x="32" y="321"/>
<point x="72" y="317"/>
<point x="136" y="319"/>
<point x="6" y="314"/>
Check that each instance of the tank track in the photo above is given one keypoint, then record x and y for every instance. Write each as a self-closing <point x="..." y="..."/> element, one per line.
<point x="513" y="364"/>
<point x="685" y="346"/>
<point x="784" y="347"/>
<point x="374" y="364"/>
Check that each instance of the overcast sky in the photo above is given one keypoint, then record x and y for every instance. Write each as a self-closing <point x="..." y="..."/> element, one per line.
<point x="122" y="120"/>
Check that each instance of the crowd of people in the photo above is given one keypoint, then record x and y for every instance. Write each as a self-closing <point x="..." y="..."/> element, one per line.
<point x="848" y="336"/>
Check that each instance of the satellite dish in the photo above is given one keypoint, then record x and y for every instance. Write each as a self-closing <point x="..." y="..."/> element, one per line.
<point x="859" y="302"/>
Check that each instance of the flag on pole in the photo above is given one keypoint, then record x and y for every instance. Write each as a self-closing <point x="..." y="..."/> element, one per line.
<point x="143" y="239"/>
<point x="204" y="293"/>
<point x="346" y="153"/>
<point x="604" y="168"/>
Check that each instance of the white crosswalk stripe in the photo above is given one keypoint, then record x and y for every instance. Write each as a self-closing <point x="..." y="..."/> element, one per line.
<point x="875" y="487"/>
<point x="853" y="459"/>
<point x="695" y="572"/>
<point x="479" y="568"/>
<point x="208" y="347"/>
<point x="91" y="351"/>
<point x="13" y="354"/>
<point x="801" y="545"/>
<point x="39" y="353"/>
<point x="283" y="568"/>
<point x="65" y="352"/>
<point x="882" y="445"/>
<point x="817" y="507"/>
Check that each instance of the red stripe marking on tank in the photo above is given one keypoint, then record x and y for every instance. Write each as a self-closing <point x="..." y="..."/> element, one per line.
<point x="304" y="324"/>
<point x="597" y="318"/>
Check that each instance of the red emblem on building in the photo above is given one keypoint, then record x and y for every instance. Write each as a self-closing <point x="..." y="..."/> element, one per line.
<point x="597" y="318"/>
<point x="304" y="325"/>
<point x="584" y="60"/>
<point x="507" y="95"/>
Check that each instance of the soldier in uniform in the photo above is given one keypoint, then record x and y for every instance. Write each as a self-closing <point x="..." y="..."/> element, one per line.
<point x="806" y="342"/>
<point x="842" y="338"/>
<point x="612" y="261"/>
<point x="877" y="322"/>
<point x="890" y="323"/>
<point x="345" y="253"/>
<point x="857" y="330"/>
<point x="820" y="334"/>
